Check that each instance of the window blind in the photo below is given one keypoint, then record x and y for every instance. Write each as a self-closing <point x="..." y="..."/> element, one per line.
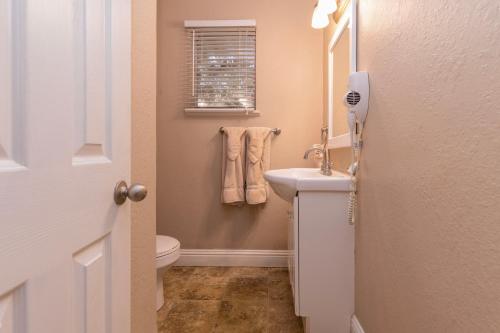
<point x="220" y="68"/>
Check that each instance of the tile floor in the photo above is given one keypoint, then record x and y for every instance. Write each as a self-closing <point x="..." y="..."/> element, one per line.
<point x="229" y="300"/>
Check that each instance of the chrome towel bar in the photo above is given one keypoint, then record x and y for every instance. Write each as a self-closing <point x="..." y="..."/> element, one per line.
<point x="276" y="131"/>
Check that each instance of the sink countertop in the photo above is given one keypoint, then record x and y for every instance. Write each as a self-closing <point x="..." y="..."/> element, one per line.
<point x="286" y="182"/>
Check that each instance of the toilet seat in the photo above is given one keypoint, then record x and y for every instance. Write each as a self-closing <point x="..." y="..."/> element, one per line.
<point x="167" y="250"/>
<point x="166" y="245"/>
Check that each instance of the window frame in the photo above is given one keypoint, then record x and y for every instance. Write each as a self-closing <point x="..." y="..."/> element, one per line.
<point x="190" y="68"/>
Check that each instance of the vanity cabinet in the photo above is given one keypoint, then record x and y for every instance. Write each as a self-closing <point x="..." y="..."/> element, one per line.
<point x="321" y="260"/>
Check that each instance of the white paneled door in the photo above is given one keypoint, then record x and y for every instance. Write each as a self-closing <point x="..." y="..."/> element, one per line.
<point x="64" y="144"/>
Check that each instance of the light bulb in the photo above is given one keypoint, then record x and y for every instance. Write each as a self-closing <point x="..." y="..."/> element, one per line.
<point x="327" y="6"/>
<point x="319" y="19"/>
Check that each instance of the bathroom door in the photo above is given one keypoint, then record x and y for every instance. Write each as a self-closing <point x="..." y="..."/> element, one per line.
<point x="64" y="144"/>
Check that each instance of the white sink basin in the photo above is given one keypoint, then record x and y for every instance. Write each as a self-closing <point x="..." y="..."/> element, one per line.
<point x="286" y="182"/>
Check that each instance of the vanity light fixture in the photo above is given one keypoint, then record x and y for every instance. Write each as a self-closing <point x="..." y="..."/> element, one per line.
<point x="322" y="9"/>
<point x="320" y="19"/>
<point x="327" y="6"/>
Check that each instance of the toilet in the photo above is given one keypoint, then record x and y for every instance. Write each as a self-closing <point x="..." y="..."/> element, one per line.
<point x="167" y="252"/>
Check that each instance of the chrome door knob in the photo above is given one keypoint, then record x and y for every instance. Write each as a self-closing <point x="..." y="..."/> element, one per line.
<point x="136" y="192"/>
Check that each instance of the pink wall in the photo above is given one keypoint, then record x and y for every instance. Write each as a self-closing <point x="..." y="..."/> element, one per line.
<point x="289" y="95"/>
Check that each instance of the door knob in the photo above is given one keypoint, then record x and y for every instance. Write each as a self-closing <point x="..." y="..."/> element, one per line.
<point x="136" y="192"/>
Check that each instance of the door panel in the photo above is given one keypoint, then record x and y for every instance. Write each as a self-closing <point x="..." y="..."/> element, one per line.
<point x="92" y="44"/>
<point x="11" y="113"/>
<point x="92" y="287"/>
<point x="12" y="311"/>
<point x="64" y="143"/>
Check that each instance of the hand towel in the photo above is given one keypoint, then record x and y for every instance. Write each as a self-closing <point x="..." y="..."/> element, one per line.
<point x="258" y="160"/>
<point x="233" y="163"/>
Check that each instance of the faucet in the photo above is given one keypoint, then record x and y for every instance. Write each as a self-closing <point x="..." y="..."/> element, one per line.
<point x="326" y="164"/>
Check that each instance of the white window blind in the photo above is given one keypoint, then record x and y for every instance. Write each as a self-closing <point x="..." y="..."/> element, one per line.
<point x="220" y="66"/>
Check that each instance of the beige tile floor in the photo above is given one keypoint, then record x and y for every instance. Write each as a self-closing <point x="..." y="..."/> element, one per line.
<point x="229" y="300"/>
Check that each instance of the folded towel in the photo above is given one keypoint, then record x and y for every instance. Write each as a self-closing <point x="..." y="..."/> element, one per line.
<point x="258" y="161"/>
<point x="233" y="156"/>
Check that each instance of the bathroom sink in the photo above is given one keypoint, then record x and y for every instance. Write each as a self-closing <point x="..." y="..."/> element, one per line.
<point x="286" y="182"/>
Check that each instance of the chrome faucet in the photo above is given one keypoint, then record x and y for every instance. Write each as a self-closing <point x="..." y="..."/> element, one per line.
<point x="326" y="164"/>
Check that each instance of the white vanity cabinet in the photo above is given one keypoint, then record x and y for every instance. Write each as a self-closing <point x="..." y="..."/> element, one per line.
<point x="321" y="246"/>
<point x="321" y="262"/>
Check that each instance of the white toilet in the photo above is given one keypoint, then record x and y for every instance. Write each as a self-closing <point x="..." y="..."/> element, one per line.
<point x="168" y="250"/>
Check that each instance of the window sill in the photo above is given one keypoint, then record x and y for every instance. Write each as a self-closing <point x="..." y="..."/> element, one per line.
<point x="222" y="112"/>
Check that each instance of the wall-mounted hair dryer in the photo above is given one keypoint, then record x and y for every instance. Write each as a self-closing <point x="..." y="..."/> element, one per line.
<point x="356" y="101"/>
<point x="357" y="98"/>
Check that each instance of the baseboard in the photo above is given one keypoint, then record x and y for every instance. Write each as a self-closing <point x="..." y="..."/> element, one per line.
<point x="356" y="326"/>
<point x="252" y="258"/>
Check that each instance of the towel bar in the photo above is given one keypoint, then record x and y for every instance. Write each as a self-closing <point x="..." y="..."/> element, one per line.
<point x="276" y="131"/>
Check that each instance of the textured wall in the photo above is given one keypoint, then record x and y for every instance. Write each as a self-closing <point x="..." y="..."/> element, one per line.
<point x="289" y="95"/>
<point x="428" y="239"/>
<point x="144" y="165"/>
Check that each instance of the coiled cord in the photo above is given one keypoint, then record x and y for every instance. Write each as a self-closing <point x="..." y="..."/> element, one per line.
<point x="351" y="209"/>
<point x="353" y="198"/>
<point x="355" y="154"/>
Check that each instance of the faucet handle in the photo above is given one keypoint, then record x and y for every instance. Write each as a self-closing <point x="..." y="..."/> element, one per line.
<point x="316" y="149"/>
<point x="318" y="154"/>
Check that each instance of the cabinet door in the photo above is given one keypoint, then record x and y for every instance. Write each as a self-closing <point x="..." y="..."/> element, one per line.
<point x="294" y="272"/>
<point x="290" y="245"/>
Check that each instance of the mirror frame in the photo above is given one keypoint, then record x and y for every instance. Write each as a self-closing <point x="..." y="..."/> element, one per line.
<point x="348" y="19"/>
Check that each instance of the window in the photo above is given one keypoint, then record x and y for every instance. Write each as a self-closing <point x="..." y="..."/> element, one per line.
<point x="220" y="67"/>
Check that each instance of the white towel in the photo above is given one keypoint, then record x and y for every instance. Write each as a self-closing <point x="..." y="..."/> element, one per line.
<point x="258" y="160"/>
<point x="233" y="162"/>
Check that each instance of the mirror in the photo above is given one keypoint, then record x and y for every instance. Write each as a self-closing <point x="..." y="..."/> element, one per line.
<point x="341" y="63"/>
